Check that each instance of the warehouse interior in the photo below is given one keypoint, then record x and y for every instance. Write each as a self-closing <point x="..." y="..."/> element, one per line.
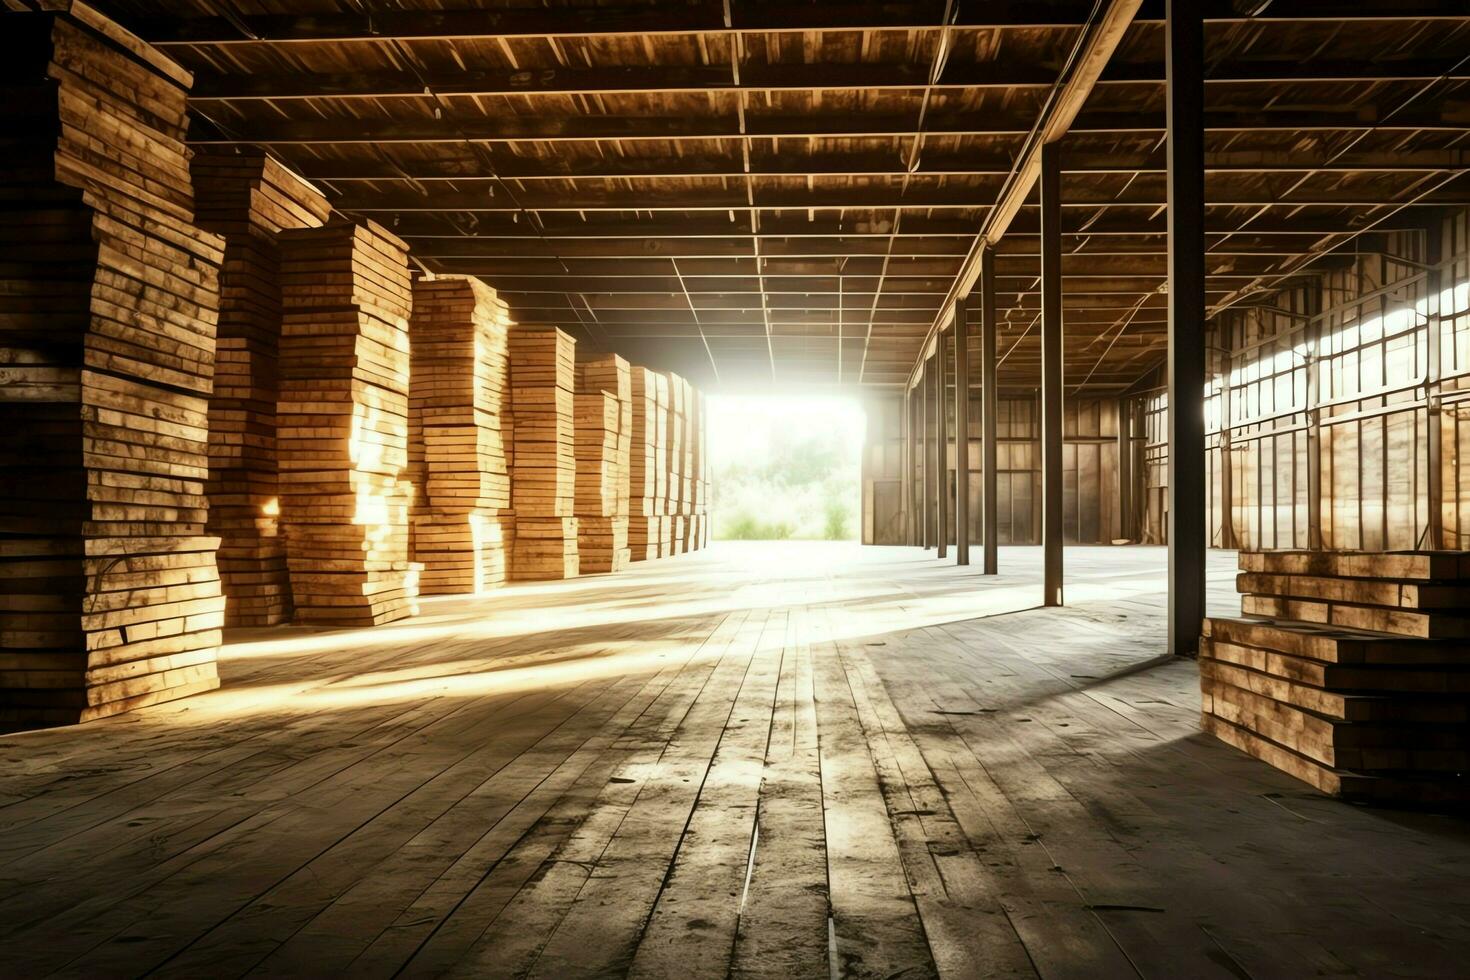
<point x="360" y="610"/>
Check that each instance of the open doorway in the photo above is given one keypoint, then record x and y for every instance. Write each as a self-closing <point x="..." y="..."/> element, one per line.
<point x="785" y="467"/>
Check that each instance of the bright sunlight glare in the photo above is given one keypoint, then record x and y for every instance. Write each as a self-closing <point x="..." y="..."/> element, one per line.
<point x="785" y="467"/>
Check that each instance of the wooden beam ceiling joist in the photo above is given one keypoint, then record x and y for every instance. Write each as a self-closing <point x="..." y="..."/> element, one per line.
<point x="551" y="129"/>
<point x="863" y="77"/>
<point x="702" y="166"/>
<point x="851" y="199"/>
<point x="425" y="228"/>
<point x="744" y="18"/>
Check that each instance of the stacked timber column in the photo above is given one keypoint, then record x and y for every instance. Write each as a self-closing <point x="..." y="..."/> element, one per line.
<point x="700" y="429"/>
<point x="459" y="398"/>
<point x="604" y="423"/>
<point x="249" y="197"/>
<point x="108" y="309"/>
<point x="543" y="375"/>
<point x="643" y="465"/>
<point x="661" y="470"/>
<point x="342" y="426"/>
<point x="686" y="473"/>
<point x="675" y="449"/>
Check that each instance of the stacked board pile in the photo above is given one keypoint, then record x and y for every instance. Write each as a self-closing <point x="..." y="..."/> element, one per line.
<point x="1351" y="671"/>
<point x="108" y="313"/>
<point x="342" y="423"/>
<point x="699" y="461"/>
<point x="674" y="505"/>
<point x="459" y="404"/>
<point x="543" y="376"/>
<point x="647" y="467"/>
<point x="663" y="399"/>
<point x="604" y="422"/>
<point x="248" y="197"/>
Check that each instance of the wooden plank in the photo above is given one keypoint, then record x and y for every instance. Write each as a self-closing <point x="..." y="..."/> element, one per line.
<point x="876" y="928"/>
<point x="783" y="908"/>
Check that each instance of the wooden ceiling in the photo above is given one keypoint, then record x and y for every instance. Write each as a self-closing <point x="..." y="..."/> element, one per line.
<point x="757" y="191"/>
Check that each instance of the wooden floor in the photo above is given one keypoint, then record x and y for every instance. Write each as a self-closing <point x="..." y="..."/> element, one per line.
<point x="761" y="760"/>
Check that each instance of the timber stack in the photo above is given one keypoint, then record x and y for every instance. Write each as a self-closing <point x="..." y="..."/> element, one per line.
<point x="459" y="401"/>
<point x="699" y="533"/>
<point x="644" y="466"/>
<point x="108" y="308"/>
<point x="213" y="414"/>
<point x="1350" y="671"/>
<point x="343" y="423"/>
<point x="543" y="375"/>
<point x="674" y="510"/>
<point x="604" y="407"/>
<point x="249" y="197"/>
<point x="662" y="546"/>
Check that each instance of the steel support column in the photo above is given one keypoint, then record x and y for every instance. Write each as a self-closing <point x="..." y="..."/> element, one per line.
<point x="989" y="505"/>
<point x="906" y="468"/>
<point x="1184" y="60"/>
<point x="1125" y="468"/>
<point x="961" y="432"/>
<point x="926" y="457"/>
<point x="1228" y="538"/>
<point x="1434" y="371"/>
<point x="941" y="450"/>
<point x="1051" y="374"/>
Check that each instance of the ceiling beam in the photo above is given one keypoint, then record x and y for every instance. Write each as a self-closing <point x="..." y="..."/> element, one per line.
<point x="1101" y="233"/>
<point x="759" y="18"/>
<point x="1094" y="50"/>
<point x="1138" y="195"/>
<point x="471" y="168"/>
<point x="217" y="86"/>
<point x="543" y="128"/>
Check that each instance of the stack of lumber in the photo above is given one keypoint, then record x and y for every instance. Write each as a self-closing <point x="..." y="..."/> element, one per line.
<point x="687" y="489"/>
<point x="543" y="376"/>
<point x="644" y="466"/>
<point x="699" y="534"/>
<point x="342" y="423"/>
<point x="661" y="533"/>
<point x="248" y="197"/>
<point x="675" y="450"/>
<point x="1350" y="671"/>
<point x="459" y="397"/>
<point x="109" y="300"/>
<point x="604" y="436"/>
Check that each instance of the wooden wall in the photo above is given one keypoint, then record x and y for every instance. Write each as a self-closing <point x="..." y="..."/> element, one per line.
<point x="1089" y="462"/>
<point x="1328" y="422"/>
<point x="882" y="471"/>
<point x="1339" y="375"/>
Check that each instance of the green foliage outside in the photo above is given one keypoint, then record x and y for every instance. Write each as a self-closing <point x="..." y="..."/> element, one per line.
<point x="805" y="487"/>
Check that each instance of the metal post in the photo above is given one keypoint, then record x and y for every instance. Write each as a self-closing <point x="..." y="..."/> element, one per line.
<point x="989" y="505"/>
<point x="941" y="474"/>
<point x="1125" y="468"/>
<point x="1051" y="375"/>
<point x="906" y="467"/>
<point x="961" y="432"/>
<point x="1434" y="429"/>
<point x="926" y="458"/>
<point x="1313" y="304"/>
<point x="1228" y="538"/>
<point x="1184" y="58"/>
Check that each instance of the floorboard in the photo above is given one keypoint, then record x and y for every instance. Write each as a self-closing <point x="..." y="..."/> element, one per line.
<point x="762" y="760"/>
